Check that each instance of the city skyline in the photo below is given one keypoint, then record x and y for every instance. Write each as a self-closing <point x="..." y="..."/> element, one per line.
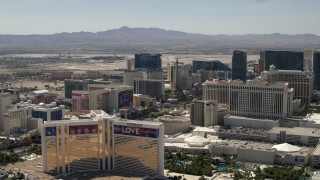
<point x="207" y="17"/>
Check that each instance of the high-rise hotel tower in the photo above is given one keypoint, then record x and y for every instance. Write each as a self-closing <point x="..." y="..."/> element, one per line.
<point x="103" y="143"/>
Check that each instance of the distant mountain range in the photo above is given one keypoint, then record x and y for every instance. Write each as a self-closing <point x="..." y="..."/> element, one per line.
<point x="128" y="40"/>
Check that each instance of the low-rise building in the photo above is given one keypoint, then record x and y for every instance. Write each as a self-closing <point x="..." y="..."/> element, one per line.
<point x="140" y="100"/>
<point x="133" y="113"/>
<point x="295" y="135"/>
<point x="256" y="123"/>
<point x="174" y="124"/>
<point x="256" y="153"/>
<point x="264" y="153"/>
<point x="294" y="155"/>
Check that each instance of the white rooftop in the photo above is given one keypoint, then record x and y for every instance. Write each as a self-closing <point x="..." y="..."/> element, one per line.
<point x="285" y="147"/>
<point x="204" y="129"/>
<point x="196" y="139"/>
<point x="40" y="91"/>
<point x="315" y="117"/>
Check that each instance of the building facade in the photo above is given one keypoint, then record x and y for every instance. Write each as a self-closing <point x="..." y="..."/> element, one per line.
<point x="148" y="61"/>
<point x="316" y="69"/>
<point x="42" y="96"/>
<point x="152" y="88"/>
<point x="284" y="60"/>
<point x="110" y="98"/>
<point x="103" y="144"/>
<point x="80" y="102"/>
<point x="296" y="135"/>
<point x="204" y="113"/>
<point x="20" y="121"/>
<point x="15" y="94"/>
<point x="256" y="98"/>
<point x="80" y="85"/>
<point x="179" y="75"/>
<point x="99" y="99"/>
<point x="129" y="76"/>
<point x="239" y="65"/>
<point x="140" y="100"/>
<point x="48" y="112"/>
<point x="301" y="81"/>
<point x="152" y="74"/>
<point x="130" y="64"/>
<point x="217" y="90"/>
<point x="174" y="124"/>
<point x="72" y="84"/>
<point x="5" y="102"/>
<point x="308" y="59"/>
<point x="209" y="65"/>
<point x="25" y="116"/>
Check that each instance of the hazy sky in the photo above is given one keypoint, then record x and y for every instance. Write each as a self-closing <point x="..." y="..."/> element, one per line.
<point x="195" y="16"/>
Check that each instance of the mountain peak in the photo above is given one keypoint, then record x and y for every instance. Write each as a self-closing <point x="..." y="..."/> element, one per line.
<point x="124" y="27"/>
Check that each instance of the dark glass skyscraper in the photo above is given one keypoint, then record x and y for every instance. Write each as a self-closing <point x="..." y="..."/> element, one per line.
<point x="209" y="65"/>
<point x="239" y="65"/>
<point x="285" y="60"/>
<point x="147" y="61"/>
<point x="316" y="70"/>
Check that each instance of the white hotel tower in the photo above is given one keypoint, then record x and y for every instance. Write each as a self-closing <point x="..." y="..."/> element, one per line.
<point x="301" y="81"/>
<point x="256" y="98"/>
<point x="103" y="143"/>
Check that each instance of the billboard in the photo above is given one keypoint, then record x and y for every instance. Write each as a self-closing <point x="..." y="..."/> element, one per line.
<point x="125" y="98"/>
<point x="83" y="129"/>
<point x="51" y="131"/>
<point x="136" y="131"/>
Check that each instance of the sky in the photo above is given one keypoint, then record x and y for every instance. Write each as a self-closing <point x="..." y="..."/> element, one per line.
<point x="194" y="16"/>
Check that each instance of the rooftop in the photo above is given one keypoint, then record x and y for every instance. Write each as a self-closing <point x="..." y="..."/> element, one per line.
<point x="285" y="147"/>
<point x="204" y="129"/>
<point x="216" y="81"/>
<point x="243" y="130"/>
<point x="43" y="91"/>
<point x="169" y="118"/>
<point x="299" y="150"/>
<point x="258" y="146"/>
<point x="139" y="122"/>
<point x="315" y="117"/>
<point x="256" y="81"/>
<point x="300" y="131"/>
<point x="196" y="139"/>
<point x="316" y="150"/>
<point x="249" y="118"/>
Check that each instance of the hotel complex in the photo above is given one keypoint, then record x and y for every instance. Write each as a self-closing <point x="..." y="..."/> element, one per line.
<point x="103" y="143"/>
<point x="301" y="81"/>
<point x="256" y="98"/>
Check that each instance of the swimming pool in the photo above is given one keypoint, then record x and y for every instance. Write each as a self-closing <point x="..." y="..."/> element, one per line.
<point x="222" y="166"/>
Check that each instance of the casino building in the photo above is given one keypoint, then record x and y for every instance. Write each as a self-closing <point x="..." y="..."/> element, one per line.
<point x="103" y="143"/>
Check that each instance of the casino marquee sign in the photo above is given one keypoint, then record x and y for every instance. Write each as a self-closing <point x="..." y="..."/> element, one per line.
<point x="136" y="131"/>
